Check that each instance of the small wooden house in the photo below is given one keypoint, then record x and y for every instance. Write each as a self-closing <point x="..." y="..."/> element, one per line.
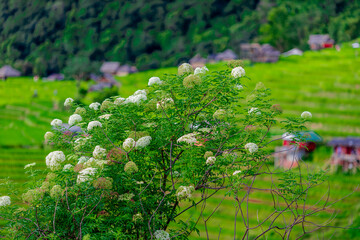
<point x="227" y="55"/>
<point x="105" y="81"/>
<point x="294" y="147"/>
<point x="7" y="71"/>
<point x="126" y="69"/>
<point x="110" y="67"/>
<point x="197" y="61"/>
<point x="346" y="153"/>
<point x="320" y="41"/>
<point x="259" y="53"/>
<point x="293" y="52"/>
<point x="55" y="77"/>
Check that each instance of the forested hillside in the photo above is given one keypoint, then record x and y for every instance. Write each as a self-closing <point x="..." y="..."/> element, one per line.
<point x="46" y="36"/>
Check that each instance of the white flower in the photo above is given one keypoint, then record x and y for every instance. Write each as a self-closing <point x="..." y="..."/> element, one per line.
<point x="254" y="110"/>
<point x="128" y="144"/>
<point x="143" y="142"/>
<point x="236" y="172"/>
<point x="95" y="106"/>
<point x="84" y="175"/>
<point x="75" y="118"/>
<point x="105" y="116"/>
<point x="83" y="159"/>
<point x="238" y="72"/>
<point x="204" y="130"/>
<point x="184" y="192"/>
<point x="5" y="201"/>
<point x="154" y="80"/>
<point x="188" y="138"/>
<point x="99" y="152"/>
<point x="54" y="160"/>
<point x="29" y="165"/>
<point x="93" y="124"/>
<point x="67" y="167"/>
<point x="252" y="147"/>
<point x="56" y="123"/>
<point x="140" y="92"/>
<point x="136" y="98"/>
<point x="239" y="87"/>
<point x="68" y="102"/>
<point x="119" y="101"/>
<point x="306" y="115"/>
<point x="210" y="160"/>
<point x="162" y="235"/>
<point x="199" y="70"/>
<point x="48" y="135"/>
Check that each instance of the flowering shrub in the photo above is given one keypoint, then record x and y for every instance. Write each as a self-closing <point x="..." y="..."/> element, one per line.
<point x="137" y="160"/>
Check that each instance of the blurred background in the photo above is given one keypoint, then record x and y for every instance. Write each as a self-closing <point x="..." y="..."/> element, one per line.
<point x="306" y="51"/>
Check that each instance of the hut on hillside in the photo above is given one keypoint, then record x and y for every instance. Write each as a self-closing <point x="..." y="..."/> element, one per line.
<point x="293" y="52"/>
<point x="320" y="41"/>
<point x="7" y="71"/>
<point x="227" y="55"/>
<point x="259" y="53"/>
<point x="126" y="69"/>
<point x="110" y="67"/>
<point x="55" y="77"/>
<point x="346" y="153"/>
<point x="105" y="81"/>
<point x="197" y="61"/>
<point x="294" y="147"/>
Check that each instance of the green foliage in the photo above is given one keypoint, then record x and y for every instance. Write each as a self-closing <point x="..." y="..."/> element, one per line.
<point x="54" y="36"/>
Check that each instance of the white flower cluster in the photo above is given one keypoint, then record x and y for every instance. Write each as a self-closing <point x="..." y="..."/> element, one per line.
<point x="137" y="97"/>
<point x="119" y="101"/>
<point x="54" y="160"/>
<point x="67" y="167"/>
<point x="75" y="118"/>
<point x="236" y="172"/>
<point x="95" y="106"/>
<point x="238" y="72"/>
<point x="188" y="138"/>
<point x="306" y="115"/>
<point x="85" y="175"/>
<point x="252" y="147"/>
<point x="93" y="124"/>
<point x="143" y="142"/>
<point x="184" y="192"/>
<point x="5" y="201"/>
<point x="128" y="144"/>
<point x="210" y="160"/>
<point x="201" y="70"/>
<point x="29" y="165"/>
<point x="83" y="159"/>
<point x="56" y="123"/>
<point x="68" y="102"/>
<point x="154" y="80"/>
<point x="48" y="135"/>
<point x="93" y="162"/>
<point x="105" y="116"/>
<point x="254" y="110"/>
<point x="162" y="235"/>
<point x="99" y="152"/>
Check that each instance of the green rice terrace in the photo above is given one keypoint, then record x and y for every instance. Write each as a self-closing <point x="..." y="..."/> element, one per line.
<point x="326" y="83"/>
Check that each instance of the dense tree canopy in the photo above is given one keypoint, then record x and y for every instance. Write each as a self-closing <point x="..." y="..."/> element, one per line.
<point x="41" y="37"/>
